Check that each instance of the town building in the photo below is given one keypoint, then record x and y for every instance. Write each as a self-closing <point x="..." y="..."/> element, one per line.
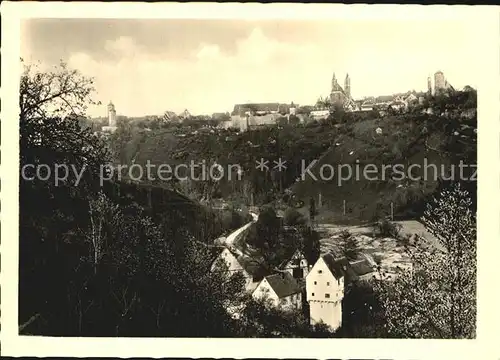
<point x="440" y="83"/>
<point x="245" y="116"/>
<point x="342" y="96"/>
<point x="184" y="115"/>
<point x="252" y="270"/>
<point x="111" y="119"/>
<point x="325" y="291"/>
<point x="296" y="265"/>
<point x="281" y="290"/>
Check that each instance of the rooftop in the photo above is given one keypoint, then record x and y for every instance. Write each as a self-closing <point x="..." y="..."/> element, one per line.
<point x="283" y="284"/>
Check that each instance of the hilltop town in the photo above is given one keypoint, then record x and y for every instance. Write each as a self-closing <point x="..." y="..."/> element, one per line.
<point x="319" y="262"/>
<point x="343" y="218"/>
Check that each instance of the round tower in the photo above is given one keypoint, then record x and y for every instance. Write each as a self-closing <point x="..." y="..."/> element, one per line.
<point x="111" y="115"/>
<point x="347" y="86"/>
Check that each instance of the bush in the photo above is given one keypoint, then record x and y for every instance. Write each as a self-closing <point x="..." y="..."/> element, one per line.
<point x="293" y="217"/>
<point x="386" y="228"/>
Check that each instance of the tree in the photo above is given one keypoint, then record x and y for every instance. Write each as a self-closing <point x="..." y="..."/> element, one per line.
<point x="52" y="104"/>
<point x="311" y="246"/>
<point x="349" y="245"/>
<point x="293" y="217"/>
<point x="437" y="297"/>
<point x="312" y="209"/>
<point x="101" y="212"/>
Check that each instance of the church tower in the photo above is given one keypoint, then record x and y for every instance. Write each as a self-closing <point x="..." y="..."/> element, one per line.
<point x="347" y="86"/>
<point x="429" y="85"/>
<point x="337" y="94"/>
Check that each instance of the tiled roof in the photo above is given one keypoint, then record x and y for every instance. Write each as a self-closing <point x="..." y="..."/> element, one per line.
<point x="293" y="258"/>
<point x="337" y="267"/>
<point x="240" y="109"/>
<point x="283" y="284"/>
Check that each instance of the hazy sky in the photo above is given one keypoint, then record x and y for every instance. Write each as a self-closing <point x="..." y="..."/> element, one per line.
<point x="149" y="66"/>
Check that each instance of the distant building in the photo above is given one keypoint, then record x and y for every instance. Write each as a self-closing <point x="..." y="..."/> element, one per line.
<point x="342" y="96"/>
<point x="184" y="115"/>
<point x="111" y="119"/>
<point x="245" y="116"/>
<point x="440" y="83"/>
<point x="281" y="289"/>
<point x="170" y="116"/>
<point x="337" y="94"/>
<point x="429" y="86"/>
<point x="111" y="114"/>
<point x="347" y="86"/>
<point x="319" y="114"/>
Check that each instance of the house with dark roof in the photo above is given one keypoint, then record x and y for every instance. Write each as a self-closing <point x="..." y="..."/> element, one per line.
<point x="325" y="291"/>
<point x="296" y="265"/>
<point x="281" y="290"/>
<point x="325" y="286"/>
<point x="252" y="115"/>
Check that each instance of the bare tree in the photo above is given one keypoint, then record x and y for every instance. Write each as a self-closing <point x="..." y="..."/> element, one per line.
<point x="101" y="212"/>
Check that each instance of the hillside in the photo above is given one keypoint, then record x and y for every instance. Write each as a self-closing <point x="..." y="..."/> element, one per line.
<point x="404" y="140"/>
<point x="351" y="140"/>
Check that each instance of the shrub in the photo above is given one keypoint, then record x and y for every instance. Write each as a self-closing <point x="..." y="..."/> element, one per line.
<point x="386" y="228"/>
<point x="293" y="217"/>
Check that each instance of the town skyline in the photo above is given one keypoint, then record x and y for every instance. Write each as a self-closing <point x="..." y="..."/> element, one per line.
<point x="191" y="64"/>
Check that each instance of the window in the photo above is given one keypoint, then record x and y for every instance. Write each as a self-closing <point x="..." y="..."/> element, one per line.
<point x="312" y="294"/>
<point x="320" y="271"/>
<point x="327" y="296"/>
<point x="315" y="283"/>
<point x="327" y="284"/>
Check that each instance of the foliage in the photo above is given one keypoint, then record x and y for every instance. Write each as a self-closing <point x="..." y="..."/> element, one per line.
<point x="92" y="260"/>
<point x="261" y="319"/>
<point x="362" y="313"/>
<point x="311" y="245"/>
<point x="349" y="245"/>
<point x="293" y="217"/>
<point x="437" y="297"/>
<point x="386" y="228"/>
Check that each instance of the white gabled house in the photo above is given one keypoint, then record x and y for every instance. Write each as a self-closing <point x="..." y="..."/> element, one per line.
<point x="251" y="270"/>
<point x="281" y="289"/>
<point x="325" y="291"/>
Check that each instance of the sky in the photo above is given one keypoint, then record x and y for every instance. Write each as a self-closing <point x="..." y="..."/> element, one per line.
<point x="149" y="66"/>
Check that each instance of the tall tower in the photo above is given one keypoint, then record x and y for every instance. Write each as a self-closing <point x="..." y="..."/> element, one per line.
<point x="439" y="82"/>
<point x="429" y="85"/>
<point x="347" y="86"/>
<point x="334" y="82"/>
<point x="337" y="94"/>
<point x="111" y="115"/>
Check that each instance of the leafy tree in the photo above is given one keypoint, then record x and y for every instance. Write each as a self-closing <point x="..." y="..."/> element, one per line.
<point x="387" y="228"/>
<point x="311" y="245"/>
<point x="437" y="297"/>
<point x="349" y="245"/>
<point x="362" y="313"/>
<point x="312" y="208"/>
<point x="51" y="106"/>
<point x="293" y="217"/>
<point x="267" y="234"/>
